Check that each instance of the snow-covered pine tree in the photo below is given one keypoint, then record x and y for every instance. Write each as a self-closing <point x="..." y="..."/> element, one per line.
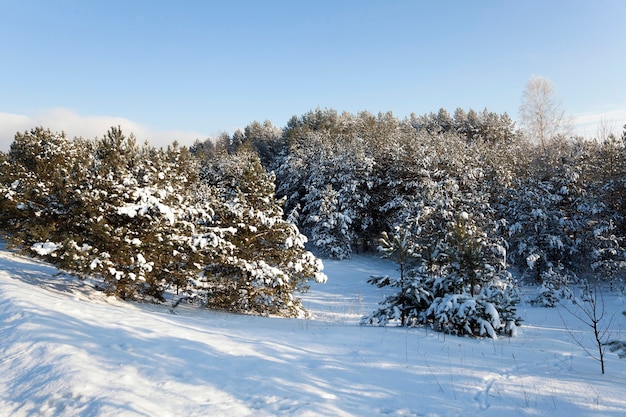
<point x="265" y="264"/>
<point x="411" y="298"/>
<point x="600" y="208"/>
<point x="41" y="178"/>
<point x="268" y="142"/>
<point x="330" y="229"/>
<point x="132" y="204"/>
<point x="315" y="163"/>
<point x="177" y="173"/>
<point x="474" y="293"/>
<point x="545" y="224"/>
<point x="123" y="213"/>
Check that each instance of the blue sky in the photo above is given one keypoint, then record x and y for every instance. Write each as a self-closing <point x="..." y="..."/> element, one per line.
<point x="191" y="69"/>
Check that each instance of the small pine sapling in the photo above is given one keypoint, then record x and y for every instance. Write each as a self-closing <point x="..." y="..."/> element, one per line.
<point x="398" y="306"/>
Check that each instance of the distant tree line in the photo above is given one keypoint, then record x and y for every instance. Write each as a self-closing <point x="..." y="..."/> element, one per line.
<point x="348" y="178"/>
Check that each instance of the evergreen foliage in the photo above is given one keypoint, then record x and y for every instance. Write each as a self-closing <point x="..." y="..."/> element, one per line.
<point x="466" y="291"/>
<point x="142" y="220"/>
<point x="410" y="299"/>
<point x="464" y="197"/>
<point x="329" y="177"/>
<point x="264" y="262"/>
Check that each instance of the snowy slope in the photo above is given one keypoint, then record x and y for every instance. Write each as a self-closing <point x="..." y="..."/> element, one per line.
<point x="66" y="350"/>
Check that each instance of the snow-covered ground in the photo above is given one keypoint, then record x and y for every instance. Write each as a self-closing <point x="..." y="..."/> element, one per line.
<point x="66" y="350"/>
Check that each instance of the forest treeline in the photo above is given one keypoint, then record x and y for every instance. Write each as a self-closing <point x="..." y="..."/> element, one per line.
<point x="460" y="201"/>
<point x="558" y="208"/>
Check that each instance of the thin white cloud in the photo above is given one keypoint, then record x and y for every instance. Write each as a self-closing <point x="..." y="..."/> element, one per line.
<point x="74" y="124"/>
<point x="9" y="125"/>
<point x="591" y="124"/>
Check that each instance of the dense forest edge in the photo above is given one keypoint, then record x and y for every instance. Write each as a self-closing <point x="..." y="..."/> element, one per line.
<point x="467" y="205"/>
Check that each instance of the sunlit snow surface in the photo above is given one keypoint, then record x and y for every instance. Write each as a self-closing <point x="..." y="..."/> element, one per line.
<point x="67" y="350"/>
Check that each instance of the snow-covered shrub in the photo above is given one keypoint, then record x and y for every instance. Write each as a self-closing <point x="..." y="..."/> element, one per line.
<point x="407" y="306"/>
<point x="464" y="314"/>
<point x="504" y="294"/>
<point x="469" y="293"/>
<point x="489" y="313"/>
<point x="619" y="347"/>
<point x="555" y="287"/>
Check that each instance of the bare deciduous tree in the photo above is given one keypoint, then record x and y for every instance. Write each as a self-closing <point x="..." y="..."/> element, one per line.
<point x="541" y="112"/>
<point x="605" y="130"/>
<point x="590" y="310"/>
